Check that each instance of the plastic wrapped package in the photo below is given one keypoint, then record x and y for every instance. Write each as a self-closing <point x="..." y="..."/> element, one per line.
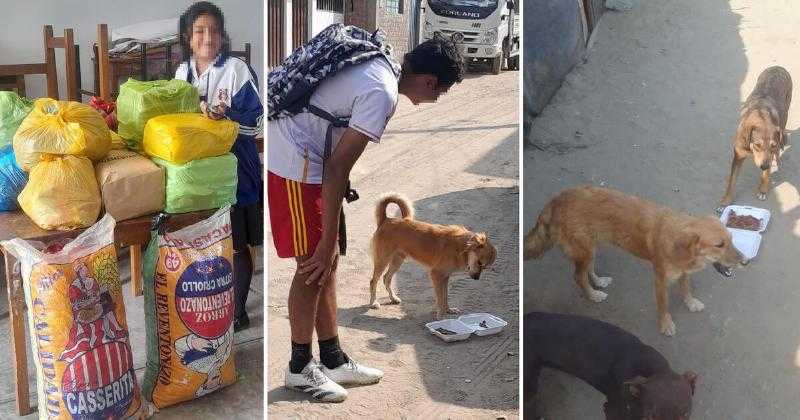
<point x="201" y="184"/>
<point x="61" y="128"/>
<point x="117" y="143"/>
<point x="12" y="179"/>
<point x="61" y="193"/>
<point x="180" y="138"/>
<point x="139" y="101"/>
<point x="13" y="109"/>
<point x="131" y="185"/>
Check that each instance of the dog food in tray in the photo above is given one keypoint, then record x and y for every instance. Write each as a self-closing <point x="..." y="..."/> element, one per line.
<point x="450" y="329"/>
<point x="742" y="217"/>
<point x="483" y="324"/>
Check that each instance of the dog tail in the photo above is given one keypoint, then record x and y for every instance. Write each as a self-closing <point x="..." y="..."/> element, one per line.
<point x="406" y="209"/>
<point x="538" y="241"/>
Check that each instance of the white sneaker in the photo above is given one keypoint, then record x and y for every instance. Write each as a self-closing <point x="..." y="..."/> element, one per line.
<point x="311" y="380"/>
<point x="352" y="373"/>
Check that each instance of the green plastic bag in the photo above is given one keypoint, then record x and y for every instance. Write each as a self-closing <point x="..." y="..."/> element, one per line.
<point x="139" y="101"/>
<point x="200" y="184"/>
<point x="13" y="109"/>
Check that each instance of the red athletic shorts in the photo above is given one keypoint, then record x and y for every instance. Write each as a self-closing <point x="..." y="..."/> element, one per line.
<point x="295" y="215"/>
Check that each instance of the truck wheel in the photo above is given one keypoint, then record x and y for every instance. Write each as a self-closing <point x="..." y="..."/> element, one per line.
<point x="513" y="63"/>
<point x="497" y="64"/>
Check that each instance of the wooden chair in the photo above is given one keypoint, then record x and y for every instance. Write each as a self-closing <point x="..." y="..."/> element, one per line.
<point x="13" y="83"/>
<point x="48" y="68"/>
<point x="244" y="54"/>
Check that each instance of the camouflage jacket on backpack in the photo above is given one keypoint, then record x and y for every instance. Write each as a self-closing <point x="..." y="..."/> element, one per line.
<point x="291" y="84"/>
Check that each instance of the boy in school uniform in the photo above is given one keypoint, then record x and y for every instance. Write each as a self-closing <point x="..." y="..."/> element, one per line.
<point x="305" y="201"/>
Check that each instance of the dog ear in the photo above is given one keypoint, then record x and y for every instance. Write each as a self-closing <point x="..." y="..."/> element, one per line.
<point x="634" y="386"/>
<point x="476" y="241"/>
<point x="691" y="378"/>
<point x="750" y="131"/>
<point x="688" y="245"/>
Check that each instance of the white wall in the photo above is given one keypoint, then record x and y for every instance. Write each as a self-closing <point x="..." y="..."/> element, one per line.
<point x="321" y="19"/>
<point x="287" y="24"/>
<point x="21" y="29"/>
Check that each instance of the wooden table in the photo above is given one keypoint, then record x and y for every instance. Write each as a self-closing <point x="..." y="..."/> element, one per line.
<point x="131" y="233"/>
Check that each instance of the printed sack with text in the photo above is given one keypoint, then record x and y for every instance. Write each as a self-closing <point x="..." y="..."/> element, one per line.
<point x="79" y="336"/>
<point x="189" y="304"/>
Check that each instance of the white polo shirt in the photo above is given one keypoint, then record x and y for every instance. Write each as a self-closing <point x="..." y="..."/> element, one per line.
<point x="366" y="92"/>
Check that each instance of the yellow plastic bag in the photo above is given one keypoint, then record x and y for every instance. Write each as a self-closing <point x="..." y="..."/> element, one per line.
<point x="62" y="193"/>
<point x="117" y="143"/>
<point x="188" y="306"/>
<point x="61" y="128"/>
<point x="180" y="138"/>
<point x="79" y="336"/>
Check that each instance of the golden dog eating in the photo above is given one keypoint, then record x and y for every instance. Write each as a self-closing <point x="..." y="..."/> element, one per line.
<point x="443" y="250"/>
<point x="676" y="244"/>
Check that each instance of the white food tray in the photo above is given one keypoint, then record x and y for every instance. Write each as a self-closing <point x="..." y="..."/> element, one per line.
<point x="758" y="213"/>
<point x="746" y="241"/>
<point x="493" y="324"/>
<point x="462" y="331"/>
<point x="465" y="325"/>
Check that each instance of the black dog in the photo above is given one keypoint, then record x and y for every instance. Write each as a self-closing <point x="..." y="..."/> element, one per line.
<point x="636" y="379"/>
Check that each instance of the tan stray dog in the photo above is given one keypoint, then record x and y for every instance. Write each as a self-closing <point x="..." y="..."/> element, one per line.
<point x="676" y="244"/>
<point x="442" y="249"/>
<point x="762" y="122"/>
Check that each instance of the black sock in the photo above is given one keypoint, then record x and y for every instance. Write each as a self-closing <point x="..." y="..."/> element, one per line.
<point x="330" y="354"/>
<point x="301" y="355"/>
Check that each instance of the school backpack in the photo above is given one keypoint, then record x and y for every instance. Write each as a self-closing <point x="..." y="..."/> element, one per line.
<point x="290" y="85"/>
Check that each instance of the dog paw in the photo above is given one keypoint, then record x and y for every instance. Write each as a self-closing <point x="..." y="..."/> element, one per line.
<point x="694" y="305"/>
<point x="667" y="326"/>
<point x="597" y="296"/>
<point x="394" y="300"/>
<point x="761" y="196"/>
<point x="375" y="305"/>
<point x="601" y="282"/>
<point x="453" y="311"/>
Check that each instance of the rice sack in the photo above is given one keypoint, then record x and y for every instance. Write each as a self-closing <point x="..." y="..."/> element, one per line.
<point x="79" y="336"/>
<point x="189" y="303"/>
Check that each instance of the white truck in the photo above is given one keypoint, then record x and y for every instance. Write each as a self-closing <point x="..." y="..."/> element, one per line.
<point x="485" y="30"/>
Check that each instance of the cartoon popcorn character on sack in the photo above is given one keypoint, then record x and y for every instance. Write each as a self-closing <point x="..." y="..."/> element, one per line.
<point x="93" y="314"/>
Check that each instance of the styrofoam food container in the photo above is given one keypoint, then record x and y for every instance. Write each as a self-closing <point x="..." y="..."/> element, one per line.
<point x="746" y="241"/>
<point x="493" y="324"/>
<point x="758" y="213"/>
<point x="462" y="331"/>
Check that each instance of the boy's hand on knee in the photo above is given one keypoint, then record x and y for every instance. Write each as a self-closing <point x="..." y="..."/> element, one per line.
<point x="319" y="265"/>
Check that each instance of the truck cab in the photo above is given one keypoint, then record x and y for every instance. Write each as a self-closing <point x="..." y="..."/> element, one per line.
<point x="484" y="30"/>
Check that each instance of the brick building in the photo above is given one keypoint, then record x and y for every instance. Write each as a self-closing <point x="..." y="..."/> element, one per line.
<point x="392" y="16"/>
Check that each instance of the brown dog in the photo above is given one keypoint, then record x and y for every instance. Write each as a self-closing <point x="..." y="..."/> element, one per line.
<point x="762" y="122"/>
<point x="676" y="244"/>
<point x="442" y="249"/>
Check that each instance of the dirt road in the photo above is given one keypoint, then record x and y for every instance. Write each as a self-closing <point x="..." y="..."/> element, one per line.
<point x="458" y="161"/>
<point x="652" y="112"/>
